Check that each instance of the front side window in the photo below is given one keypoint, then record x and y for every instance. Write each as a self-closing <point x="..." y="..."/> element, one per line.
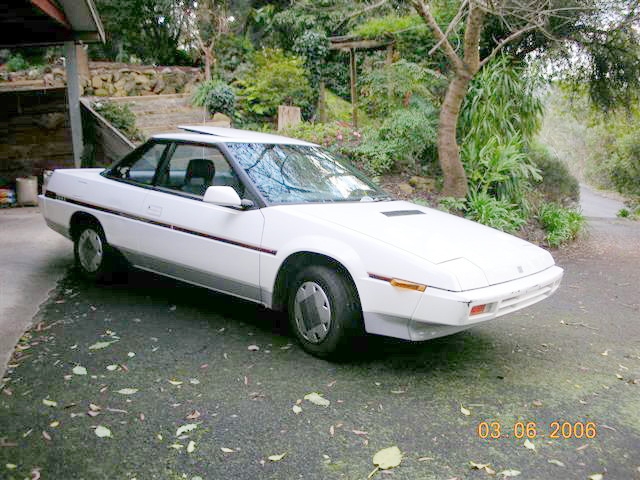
<point x="301" y="174"/>
<point x="141" y="166"/>
<point x="194" y="168"/>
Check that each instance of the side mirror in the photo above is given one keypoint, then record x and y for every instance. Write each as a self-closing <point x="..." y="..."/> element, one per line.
<point x="224" y="196"/>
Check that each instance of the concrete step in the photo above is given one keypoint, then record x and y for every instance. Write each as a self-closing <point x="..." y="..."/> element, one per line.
<point x="159" y="119"/>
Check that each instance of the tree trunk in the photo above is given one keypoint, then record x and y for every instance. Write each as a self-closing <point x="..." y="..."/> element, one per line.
<point x="208" y="61"/>
<point x="455" y="178"/>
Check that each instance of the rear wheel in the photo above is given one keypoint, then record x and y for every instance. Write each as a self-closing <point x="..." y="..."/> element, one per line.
<point x="92" y="253"/>
<point x="324" y="311"/>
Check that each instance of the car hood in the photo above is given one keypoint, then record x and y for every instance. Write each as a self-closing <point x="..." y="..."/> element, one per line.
<point x="437" y="237"/>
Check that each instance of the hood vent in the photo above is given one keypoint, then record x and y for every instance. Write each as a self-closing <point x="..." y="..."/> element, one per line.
<point x="402" y="213"/>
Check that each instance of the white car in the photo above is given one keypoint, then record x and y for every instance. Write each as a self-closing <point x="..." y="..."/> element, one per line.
<point x="281" y="222"/>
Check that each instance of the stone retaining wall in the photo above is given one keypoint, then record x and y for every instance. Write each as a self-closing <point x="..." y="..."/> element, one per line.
<point x="110" y="79"/>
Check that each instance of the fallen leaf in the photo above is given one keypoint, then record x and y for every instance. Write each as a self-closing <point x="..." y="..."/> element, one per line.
<point x="509" y="473"/>
<point x="94" y="407"/>
<point x="605" y="353"/>
<point x="386" y="458"/>
<point x="332" y="430"/>
<point x="277" y="458"/>
<point x="175" y="382"/>
<point x="102" y="431"/>
<point x="111" y="368"/>
<point x="11" y="466"/>
<point x="596" y="476"/>
<point x="253" y="348"/>
<point x="50" y="403"/>
<point x="35" y="474"/>
<point x="227" y="450"/>
<point x="46" y="436"/>
<point x="128" y="391"/>
<point x="54" y="424"/>
<point x="464" y="411"/>
<point x="176" y="446"/>
<point x="79" y="370"/>
<point x="317" y="399"/>
<point x="556" y="462"/>
<point x="186" y="428"/>
<point x="618" y="376"/>
<point x="478" y="466"/>
<point x="101" y="345"/>
<point x="528" y="444"/>
<point x="537" y="403"/>
<point x="191" y="446"/>
<point x="296" y="409"/>
<point x="194" y="381"/>
<point x="91" y="413"/>
<point x="193" y="415"/>
<point x="360" y="433"/>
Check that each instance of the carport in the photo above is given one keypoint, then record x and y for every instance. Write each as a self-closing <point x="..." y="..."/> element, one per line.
<point x="55" y="22"/>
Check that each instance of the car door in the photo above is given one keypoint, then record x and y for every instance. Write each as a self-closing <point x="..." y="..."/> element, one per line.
<point x="183" y="237"/>
<point x="127" y="185"/>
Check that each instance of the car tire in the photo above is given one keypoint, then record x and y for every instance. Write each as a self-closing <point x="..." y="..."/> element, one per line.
<point x="324" y="312"/>
<point x="93" y="256"/>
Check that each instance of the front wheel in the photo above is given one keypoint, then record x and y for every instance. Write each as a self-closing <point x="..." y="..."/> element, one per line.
<point x="324" y="312"/>
<point x="92" y="253"/>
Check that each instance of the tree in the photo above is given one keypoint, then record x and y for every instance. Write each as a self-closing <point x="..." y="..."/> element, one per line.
<point x="543" y="24"/>
<point x="149" y="29"/>
<point x="210" y="21"/>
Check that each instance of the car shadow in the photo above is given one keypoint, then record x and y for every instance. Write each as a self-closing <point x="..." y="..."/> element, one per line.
<point x="454" y="352"/>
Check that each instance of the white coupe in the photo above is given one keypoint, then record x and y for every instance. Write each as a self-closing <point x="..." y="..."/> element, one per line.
<point x="283" y="223"/>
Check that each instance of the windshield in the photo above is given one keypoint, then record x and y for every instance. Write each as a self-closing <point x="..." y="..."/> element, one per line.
<point x="301" y="174"/>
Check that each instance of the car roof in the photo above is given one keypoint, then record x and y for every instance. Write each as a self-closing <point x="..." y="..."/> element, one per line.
<point x="206" y="134"/>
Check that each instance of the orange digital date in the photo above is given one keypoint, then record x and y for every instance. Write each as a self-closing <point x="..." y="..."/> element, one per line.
<point x="556" y="430"/>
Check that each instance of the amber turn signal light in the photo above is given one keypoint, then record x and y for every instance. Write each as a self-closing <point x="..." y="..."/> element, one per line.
<point x="408" y="285"/>
<point x="478" y="309"/>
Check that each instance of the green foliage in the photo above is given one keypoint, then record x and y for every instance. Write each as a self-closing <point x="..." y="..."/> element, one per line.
<point x="338" y="137"/>
<point x="390" y="87"/>
<point x="561" y="224"/>
<point x="502" y="101"/>
<point x="625" y="164"/>
<point x="121" y="117"/>
<point x="557" y="184"/>
<point x="215" y="96"/>
<point x="16" y="63"/>
<point x="493" y="212"/>
<point x="380" y="27"/>
<point x="406" y="139"/>
<point x="274" y="79"/>
<point x="499" y="168"/>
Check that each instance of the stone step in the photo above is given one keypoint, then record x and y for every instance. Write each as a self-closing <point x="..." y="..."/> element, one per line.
<point x="170" y="119"/>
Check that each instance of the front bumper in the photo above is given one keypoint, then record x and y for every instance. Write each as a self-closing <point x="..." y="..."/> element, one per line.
<point x="440" y="312"/>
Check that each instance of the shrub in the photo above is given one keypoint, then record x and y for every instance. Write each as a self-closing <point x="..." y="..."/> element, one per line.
<point x="557" y="184"/>
<point x="560" y="224"/>
<point x="406" y="138"/>
<point x="16" y="63"/>
<point x="625" y="171"/>
<point x="274" y="79"/>
<point x="215" y="96"/>
<point x="121" y="117"/>
<point x="493" y="212"/>
<point x="390" y="87"/>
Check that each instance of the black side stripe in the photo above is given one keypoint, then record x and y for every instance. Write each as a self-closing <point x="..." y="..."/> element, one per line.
<point x="53" y="195"/>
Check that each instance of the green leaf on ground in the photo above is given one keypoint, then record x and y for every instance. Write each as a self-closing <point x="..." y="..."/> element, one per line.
<point x="102" y="431"/>
<point x="186" y="428"/>
<point x="128" y="391"/>
<point x="49" y="403"/>
<point x="317" y="399"/>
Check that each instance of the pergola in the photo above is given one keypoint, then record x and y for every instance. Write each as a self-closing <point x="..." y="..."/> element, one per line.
<point x="351" y="44"/>
<point x="54" y="22"/>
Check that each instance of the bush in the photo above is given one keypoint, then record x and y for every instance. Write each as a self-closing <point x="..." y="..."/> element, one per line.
<point x="560" y="224"/>
<point x="557" y="184"/>
<point x="625" y="171"/>
<point x="493" y="212"/>
<point x="216" y="96"/>
<point x="121" y="117"/>
<point x="390" y="87"/>
<point x="16" y="63"/>
<point x="406" y="139"/>
<point x="274" y="79"/>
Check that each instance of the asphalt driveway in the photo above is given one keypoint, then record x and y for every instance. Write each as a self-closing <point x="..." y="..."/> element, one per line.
<point x="188" y="384"/>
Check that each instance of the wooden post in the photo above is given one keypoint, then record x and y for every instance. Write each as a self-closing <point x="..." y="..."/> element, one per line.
<point x="73" y="93"/>
<point x="354" y="93"/>
<point x="389" y="59"/>
<point x="322" y="103"/>
<point x="288" y="117"/>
